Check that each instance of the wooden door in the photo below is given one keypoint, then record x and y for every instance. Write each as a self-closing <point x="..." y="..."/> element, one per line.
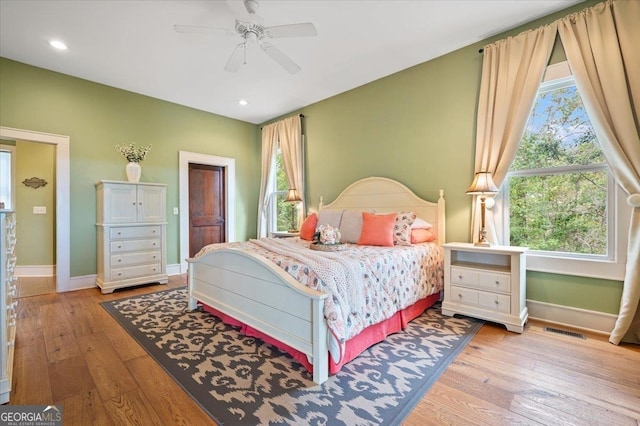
<point x="206" y="206"/>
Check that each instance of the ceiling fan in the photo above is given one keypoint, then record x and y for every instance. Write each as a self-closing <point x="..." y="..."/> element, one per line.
<point x="252" y="31"/>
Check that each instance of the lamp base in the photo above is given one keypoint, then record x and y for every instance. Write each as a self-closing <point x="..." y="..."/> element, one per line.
<point x="293" y="231"/>
<point x="482" y="244"/>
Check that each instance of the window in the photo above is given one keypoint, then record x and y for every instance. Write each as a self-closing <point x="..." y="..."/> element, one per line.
<point x="559" y="197"/>
<point x="281" y="213"/>
<point x="7" y="193"/>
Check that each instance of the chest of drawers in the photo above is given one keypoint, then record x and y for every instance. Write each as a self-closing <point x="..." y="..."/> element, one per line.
<point x="8" y="303"/>
<point x="487" y="283"/>
<point x="131" y="237"/>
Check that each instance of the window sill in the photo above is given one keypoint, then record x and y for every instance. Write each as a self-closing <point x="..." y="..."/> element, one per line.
<point x="590" y="268"/>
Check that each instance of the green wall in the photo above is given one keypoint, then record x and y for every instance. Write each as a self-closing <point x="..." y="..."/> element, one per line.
<point x="96" y="118"/>
<point x="35" y="160"/>
<point x="416" y="126"/>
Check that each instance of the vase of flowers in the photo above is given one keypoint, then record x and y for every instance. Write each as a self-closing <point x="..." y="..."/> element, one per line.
<point x="134" y="156"/>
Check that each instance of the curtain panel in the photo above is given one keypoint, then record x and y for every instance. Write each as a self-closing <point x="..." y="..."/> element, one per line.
<point x="512" y="70"/>
<point x="287" y="134"/>
<point x="269" y="151"/>
<point x="602" y="45"/>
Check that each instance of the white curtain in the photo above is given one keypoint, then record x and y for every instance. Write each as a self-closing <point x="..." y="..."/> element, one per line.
<point x="269" y="151"/>
<point x="290" y="135"/>
<point x="512" y="70"/>
<point x="602" y="45"/>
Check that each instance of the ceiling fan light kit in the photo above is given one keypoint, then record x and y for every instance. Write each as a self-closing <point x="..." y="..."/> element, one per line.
<point x="254" y="32"/>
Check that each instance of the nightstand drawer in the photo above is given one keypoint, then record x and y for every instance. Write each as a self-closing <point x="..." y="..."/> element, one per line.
<point x="464" y="276"/>
<point x="464" y="295"/>
<point x="499" y="302"/>
<point x="135" y="272"/>
<point x="497" y="282"/>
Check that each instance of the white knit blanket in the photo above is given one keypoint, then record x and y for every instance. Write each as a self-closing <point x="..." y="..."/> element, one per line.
<point x="339" y="274"/>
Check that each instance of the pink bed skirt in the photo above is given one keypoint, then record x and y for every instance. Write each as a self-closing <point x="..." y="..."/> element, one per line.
<point x="354" y="347"/>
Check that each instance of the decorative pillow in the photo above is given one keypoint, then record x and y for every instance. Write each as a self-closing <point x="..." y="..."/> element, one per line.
<point x="308" y="227"/>
<point x="351" y="226"/>
<point x="331" y="217"/>
<point x="402" y="228"/>
<point x="377" y="229"/>
<point x="421" y="224"/>
<point x="422" y="236"/>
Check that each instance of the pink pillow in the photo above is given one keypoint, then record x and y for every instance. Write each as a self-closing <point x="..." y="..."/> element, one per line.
<point x="308" y="227"/>
<point x="377" y="229"/>
<point x="422" y="236"/>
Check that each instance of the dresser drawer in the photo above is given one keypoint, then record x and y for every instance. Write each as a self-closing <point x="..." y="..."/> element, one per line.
<point x="498" y="302"/>
<point x="135" y="272"/>
<point x="138" y="258"/>
<point x="134" y="245"/>
<point x="127" y="232"/>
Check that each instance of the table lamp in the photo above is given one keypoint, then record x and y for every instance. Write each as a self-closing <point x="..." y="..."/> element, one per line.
<point x="482" y="185"/>
<point x="293" y="198"/>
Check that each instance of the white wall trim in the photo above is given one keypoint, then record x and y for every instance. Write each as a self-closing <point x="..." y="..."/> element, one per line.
<point x="173" y="269"/>
<point x="229" y="164"/>
<point x="594" y="321"/>
<point x="35" y="271"/>
<point x="63" y="197"/>
<point x="82" y="283"/>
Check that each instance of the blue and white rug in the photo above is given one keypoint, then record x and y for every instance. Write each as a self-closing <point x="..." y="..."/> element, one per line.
<point x="240" y="380"/>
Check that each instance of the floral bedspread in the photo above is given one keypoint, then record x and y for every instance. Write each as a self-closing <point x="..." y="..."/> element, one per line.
<point x="390" y="278"/>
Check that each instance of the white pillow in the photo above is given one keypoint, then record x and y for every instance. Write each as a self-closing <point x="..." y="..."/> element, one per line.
<point x="351" y="226"/>
<point x="421" y="224"/>
<point x="331" y="217"/>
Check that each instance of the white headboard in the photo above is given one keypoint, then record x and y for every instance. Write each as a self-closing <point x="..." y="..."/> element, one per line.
<point x="384" y="195"/>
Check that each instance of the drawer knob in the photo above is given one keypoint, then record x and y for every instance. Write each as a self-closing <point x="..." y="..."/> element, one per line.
<point x="497" y="282"/>
<point x="120" y="246"/>
<point x="134" y="203"/>
<point x="119" y="260"/>
<point x="459" y="296"/>
<point x="460" y="276"/>
<point x="496" y="302"/>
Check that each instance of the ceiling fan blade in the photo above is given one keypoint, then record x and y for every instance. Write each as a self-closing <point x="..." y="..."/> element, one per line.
<point x="306" y="29"/>
<point x="282" y="59"/>
<point x="236" y="59"/>
<point x="194" y="29"/>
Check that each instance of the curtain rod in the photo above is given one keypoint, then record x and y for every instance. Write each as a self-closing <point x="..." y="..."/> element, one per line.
<point x="299" y="115"/>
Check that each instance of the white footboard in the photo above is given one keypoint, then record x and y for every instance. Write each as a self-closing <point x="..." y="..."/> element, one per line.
<point x="257" y="292"/>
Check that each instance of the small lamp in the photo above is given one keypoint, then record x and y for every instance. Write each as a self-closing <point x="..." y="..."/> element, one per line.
<point x="482" y="185"/>
<point x="293" y="198"/>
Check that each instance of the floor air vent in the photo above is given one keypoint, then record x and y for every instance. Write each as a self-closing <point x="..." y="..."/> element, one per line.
<point x="565" y="332"/>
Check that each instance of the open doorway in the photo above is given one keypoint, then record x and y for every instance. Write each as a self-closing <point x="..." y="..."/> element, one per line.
<point x="62" y="197"/>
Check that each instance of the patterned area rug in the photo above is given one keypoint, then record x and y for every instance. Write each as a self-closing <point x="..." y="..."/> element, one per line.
<point x="240" y="380"/>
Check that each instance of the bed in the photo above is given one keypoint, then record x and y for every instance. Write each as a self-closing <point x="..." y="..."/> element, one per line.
<point x="245" y="288"/>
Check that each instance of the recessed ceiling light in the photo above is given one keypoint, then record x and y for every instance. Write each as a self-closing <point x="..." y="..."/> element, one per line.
<point x="243" y="102"/>
<point x="58" y="44"/>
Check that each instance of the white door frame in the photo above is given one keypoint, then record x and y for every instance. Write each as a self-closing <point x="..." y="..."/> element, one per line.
<point x="229" y="164"/>
<point x="63" y="199"/>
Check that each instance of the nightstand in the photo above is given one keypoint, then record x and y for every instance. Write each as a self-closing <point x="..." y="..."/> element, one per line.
<point x="487" y="283"/>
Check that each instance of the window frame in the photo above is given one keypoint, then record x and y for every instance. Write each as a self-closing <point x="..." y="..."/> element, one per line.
<point x="609" y="266"/>
<point x="12" y="152"/>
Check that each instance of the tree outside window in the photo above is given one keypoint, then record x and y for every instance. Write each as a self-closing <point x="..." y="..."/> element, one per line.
<point x="559" y="185"/>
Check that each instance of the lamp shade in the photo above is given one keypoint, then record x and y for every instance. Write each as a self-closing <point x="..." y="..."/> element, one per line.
<point x="292" y="196"/>
<point x="482" y="184"/>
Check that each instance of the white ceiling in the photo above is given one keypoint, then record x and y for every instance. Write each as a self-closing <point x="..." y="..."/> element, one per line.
<point x="131" y="45"/>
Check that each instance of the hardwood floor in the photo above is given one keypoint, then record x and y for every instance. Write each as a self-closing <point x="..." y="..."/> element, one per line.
<point x="70" y="351"/>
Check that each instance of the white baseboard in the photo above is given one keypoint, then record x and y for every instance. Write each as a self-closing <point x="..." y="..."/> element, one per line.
<point x="598" y="322"/>
<point x="35" y="271"/>
<point x="173" y="269"/>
